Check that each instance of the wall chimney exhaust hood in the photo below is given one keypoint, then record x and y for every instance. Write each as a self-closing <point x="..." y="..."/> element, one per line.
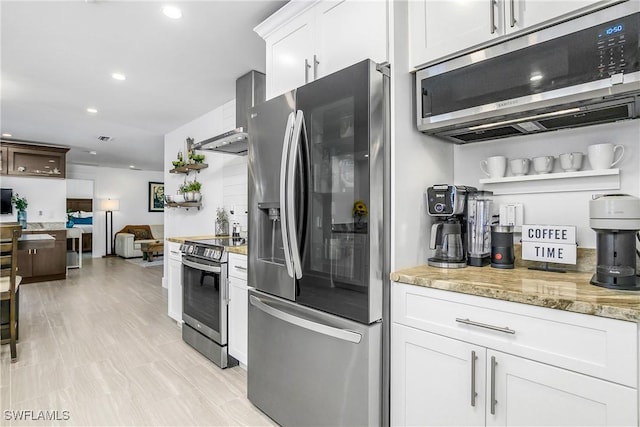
<point x="250" y="91"/>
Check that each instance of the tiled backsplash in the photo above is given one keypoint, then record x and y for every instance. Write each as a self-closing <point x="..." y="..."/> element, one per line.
<point x="235" y="189"/>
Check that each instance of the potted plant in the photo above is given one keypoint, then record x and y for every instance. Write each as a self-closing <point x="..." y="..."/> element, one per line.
<point x="21" y="206"/>
<point x="222" y="222"/>
<point x="70" y="219"/>
<point x="191" y="191"/>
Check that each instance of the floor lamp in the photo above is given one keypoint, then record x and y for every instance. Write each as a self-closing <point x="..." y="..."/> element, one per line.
<point x="109" y="205"/>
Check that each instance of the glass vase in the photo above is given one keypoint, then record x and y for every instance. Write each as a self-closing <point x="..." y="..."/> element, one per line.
<point x="22" y="218"/>
<point x="222" y="228"/>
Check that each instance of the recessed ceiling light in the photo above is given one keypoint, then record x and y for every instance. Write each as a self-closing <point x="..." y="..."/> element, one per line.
<point x="8" y="135"/>
<point x="131" y="167"/>
<point x="119" y="76"/>
<point x="93" y="153"/>
<point x="92" y="110"/>
<point x="172" y="12"/>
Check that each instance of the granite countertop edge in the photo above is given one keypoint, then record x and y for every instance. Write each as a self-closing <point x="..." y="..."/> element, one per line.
<point x="241" y="250"/>
<point x="580" y="296"/>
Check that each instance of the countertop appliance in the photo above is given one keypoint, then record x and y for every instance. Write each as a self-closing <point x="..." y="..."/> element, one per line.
<point x="502" y="255"/>
<point x="479" y="228"/>
<point x="580" y="72"/>
<point x="318" y="191"/>
<point x="448" y="204"/>
<point x="250" y="91"/>
<point x="616" y="221"/>
<point x="205" y="298"/>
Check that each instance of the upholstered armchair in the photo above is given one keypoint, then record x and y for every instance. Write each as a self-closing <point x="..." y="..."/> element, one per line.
<point x="129" y="239"/>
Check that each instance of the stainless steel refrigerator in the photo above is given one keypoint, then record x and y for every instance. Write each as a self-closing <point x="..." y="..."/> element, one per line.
<point x="318" y="194"/>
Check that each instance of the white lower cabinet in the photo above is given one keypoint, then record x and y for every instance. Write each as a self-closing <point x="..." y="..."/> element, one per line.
<point x="174" y="284"/>
<point x="444" y="381"/>
<point x="238" y="308"/>
<point x="432" y="378"/>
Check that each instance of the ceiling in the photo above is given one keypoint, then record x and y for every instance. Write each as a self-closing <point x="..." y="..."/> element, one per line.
<point x="57" y="58"/>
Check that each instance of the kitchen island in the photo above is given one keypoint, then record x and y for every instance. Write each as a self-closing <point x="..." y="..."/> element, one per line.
<point x="43" y="261"/>
<point x="485" y="346"/>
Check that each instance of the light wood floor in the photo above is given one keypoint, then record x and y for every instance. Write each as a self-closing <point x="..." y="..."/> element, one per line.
<point x="100" y="346"/>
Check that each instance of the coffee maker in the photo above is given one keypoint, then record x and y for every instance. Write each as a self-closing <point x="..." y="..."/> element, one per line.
<point x="616" y="221"/>
<point x="448" y="204"/>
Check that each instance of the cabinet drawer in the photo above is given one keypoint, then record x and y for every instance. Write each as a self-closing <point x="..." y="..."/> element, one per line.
<point x="597" y="346"/>
<point x="238" y="266"/>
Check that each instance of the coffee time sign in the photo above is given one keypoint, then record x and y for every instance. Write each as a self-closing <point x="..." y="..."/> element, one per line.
<point x="549" y="243"/>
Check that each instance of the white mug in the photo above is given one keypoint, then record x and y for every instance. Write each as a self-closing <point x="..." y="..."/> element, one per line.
<point x="543" y="164"/>
<point x="494" y="167"/>
<point x="601" y="155"/>
<point x="519" y="167"/>
<point x="571" y="162"/>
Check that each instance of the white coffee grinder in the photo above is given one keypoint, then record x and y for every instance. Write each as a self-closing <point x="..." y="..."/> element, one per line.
<point x="616" y="221"/>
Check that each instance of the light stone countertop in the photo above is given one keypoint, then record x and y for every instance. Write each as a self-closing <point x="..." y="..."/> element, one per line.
<point x="242" y="250"/>
<point x="569" y="291"/>
<point x="46" y="226"/>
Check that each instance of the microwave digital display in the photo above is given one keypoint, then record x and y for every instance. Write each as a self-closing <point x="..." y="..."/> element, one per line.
<point x="613" y="30"/>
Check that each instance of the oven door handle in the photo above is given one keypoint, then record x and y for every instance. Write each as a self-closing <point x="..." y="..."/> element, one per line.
<point x="203" y="267"/>
<point x="342" y="334"/>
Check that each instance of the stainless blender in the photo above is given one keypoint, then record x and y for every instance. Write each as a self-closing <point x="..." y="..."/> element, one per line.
<point x="479" y="228"/>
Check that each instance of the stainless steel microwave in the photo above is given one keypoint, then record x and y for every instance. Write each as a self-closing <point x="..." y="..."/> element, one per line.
<point x="581" y="72"/>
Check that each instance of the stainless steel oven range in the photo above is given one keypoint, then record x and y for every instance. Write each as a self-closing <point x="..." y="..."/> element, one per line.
<point x="205" y="299"/>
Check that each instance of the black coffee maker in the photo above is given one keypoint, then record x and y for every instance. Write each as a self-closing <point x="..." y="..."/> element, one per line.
<point x="616" y="221"/>
<point x="448" y="204"/>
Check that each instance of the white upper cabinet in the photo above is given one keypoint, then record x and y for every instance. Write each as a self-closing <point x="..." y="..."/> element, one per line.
<point x="289" y="50"/>
<point x="308" y="40"/>
<point x="442" y="28"/>
<point x="439" y="28"/>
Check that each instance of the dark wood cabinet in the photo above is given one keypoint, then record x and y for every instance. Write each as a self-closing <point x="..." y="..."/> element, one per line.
<point x="33" y="160"/>
<point x="3" y="160"/>
<point x="38" y="265"/>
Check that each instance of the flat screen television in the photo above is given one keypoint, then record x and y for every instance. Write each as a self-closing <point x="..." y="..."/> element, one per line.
<point x="5" y="201"/>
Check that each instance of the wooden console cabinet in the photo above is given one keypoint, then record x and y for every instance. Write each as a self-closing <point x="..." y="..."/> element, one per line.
<point x="32" y="160"/>
<point x="39" y="265"/>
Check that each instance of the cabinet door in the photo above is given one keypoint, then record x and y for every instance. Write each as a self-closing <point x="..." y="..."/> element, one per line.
<point x="349" y="31"/>
<point x="174" y="289"/>
<point x="439" y="28"/>
<point x="521" y="14"/>
<point x="532" y="393"/>
<point x="290" y="56"/>
<point x="3" y="160"/>
<point x="25" y="263"/>
<point x="238" y="319"/>
<point x="53" y="261"/>
<point x="433" y="378"/>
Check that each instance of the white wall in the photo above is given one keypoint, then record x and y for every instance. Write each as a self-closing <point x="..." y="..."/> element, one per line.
<point x="79" y="188"/>
<point x="561" y="208"/>
<point x="46" y="198"/>
<point x="418" y="160"/>
<point x="130" y="187"/>
<point x="182" y="222"/>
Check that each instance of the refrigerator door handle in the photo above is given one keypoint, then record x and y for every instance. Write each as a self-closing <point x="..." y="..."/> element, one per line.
<point x="299" y="130"/>
<point x="283" y="183"/>
<point x="342" y="334"/>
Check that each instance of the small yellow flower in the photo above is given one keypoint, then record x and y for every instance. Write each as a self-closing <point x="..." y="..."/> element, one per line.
<point x="360" y="209"/>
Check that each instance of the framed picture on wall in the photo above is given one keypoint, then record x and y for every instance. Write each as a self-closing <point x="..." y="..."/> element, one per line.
<point x="156" y="197"/>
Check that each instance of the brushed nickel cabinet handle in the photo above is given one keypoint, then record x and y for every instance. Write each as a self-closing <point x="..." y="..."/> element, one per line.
<point x="315" y="67"/>
<point x="513" y="13"/>
<point x="493" y="385"/>
<point x="473" y="378"/>
<point x="505" y="329"/>
<point x="492" y="16"/>
<point x="306" y="70"/>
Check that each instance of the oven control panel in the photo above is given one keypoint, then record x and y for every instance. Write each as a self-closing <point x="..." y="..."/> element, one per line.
<point x="204" y="251"/>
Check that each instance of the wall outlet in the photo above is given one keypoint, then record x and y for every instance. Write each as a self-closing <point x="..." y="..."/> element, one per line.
<point x="512" y="214"/>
